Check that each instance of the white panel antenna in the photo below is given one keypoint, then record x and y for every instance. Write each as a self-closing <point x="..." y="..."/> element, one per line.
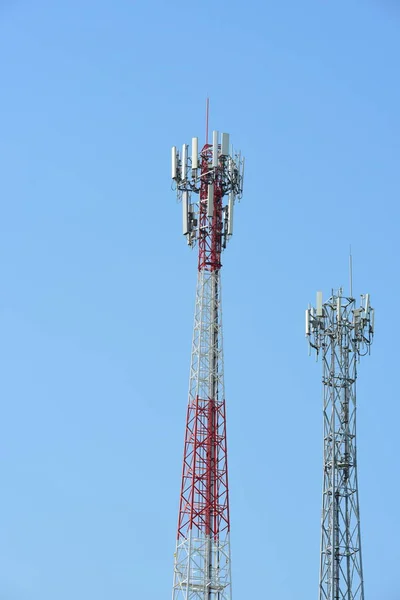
<point x="366" y="304"/>
<point x="307" y="322"/>
<point x="210" y="200"/>
<point x="195" y="153"/>
<point x="372" y="319"/>
<point x="231" y="203"/>
<point x="215" y="149"/>
<point x="225" y="144"/>
<point x="184" y="161"/>
<point x="339" y="308"/>
<point x="185" y="212"/>
<point x="319" y="304"/>
<point x="174" y="163"/>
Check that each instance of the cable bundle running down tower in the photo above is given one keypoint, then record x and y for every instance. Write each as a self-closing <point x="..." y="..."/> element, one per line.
<point x="207" y="183"/>
<point x="343" y="333"/>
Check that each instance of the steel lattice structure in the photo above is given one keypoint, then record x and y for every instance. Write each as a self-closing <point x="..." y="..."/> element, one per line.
<point x="202" y="569"/>
<point x="342" y="333"/>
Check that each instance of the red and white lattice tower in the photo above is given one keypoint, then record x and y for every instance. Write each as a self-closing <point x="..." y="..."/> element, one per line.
<point x="208" y="183"/>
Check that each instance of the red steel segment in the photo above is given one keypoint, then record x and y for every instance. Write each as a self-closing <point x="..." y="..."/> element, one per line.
<point x="204" y="502"/>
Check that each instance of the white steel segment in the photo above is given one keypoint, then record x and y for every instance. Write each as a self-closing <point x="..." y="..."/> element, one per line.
<point x="206" y="369"/>
<point x="202" y="564"/>
<point x="343" y="333"/>
<point x="194" y="578"/>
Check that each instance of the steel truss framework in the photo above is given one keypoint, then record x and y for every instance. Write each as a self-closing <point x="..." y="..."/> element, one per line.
<point x="202" y="566"/>
<point x="202" y="559"/>
<point x="343" y="333"/>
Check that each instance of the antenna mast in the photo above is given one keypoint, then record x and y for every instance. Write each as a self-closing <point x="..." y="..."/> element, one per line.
<point x="351" y="273"/>
<point x="343" y="333"/>
<point x="207" y="117"/>
<point x="208" y="184"/>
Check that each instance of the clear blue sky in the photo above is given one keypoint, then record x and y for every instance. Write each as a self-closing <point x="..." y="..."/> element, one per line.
<point x="97" y="285"/>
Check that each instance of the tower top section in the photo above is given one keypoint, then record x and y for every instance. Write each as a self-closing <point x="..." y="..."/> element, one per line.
<point x="208" y="183"/>
<point x="328" y="321"/>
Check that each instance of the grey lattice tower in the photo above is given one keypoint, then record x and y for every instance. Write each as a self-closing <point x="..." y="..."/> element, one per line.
<point x="341" y="333"/>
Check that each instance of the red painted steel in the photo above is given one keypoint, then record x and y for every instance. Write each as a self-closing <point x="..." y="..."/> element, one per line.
<point x="204" y="504"/>
<point x="210" y="228"/>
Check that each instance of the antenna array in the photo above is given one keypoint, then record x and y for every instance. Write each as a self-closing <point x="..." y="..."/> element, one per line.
<point x="218" y="170"/>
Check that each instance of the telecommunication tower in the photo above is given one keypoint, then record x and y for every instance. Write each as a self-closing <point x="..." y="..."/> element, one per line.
<point x="342" y="333"/>
<point x="208" y="183"/>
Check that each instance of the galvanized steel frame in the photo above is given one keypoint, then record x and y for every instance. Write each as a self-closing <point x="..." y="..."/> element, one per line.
<point x="342" y="333"/>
